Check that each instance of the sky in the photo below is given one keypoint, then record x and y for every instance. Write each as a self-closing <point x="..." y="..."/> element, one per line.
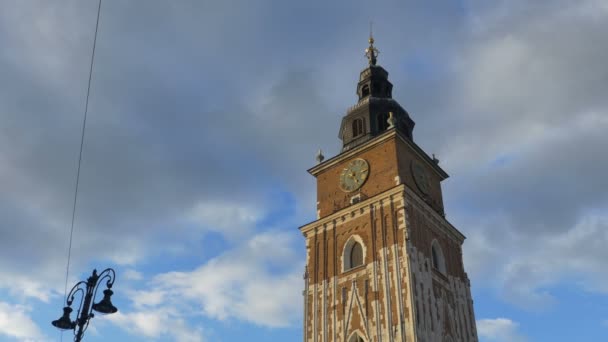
<point x="204" y="117"/>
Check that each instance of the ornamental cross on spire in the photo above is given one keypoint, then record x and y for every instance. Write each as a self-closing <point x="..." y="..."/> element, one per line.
<point x="371" y="52"/>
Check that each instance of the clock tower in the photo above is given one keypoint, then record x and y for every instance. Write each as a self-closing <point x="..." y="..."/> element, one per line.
<point x="382" y="262"/>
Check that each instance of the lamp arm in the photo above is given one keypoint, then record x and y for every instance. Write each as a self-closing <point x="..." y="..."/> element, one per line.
<point x="82" y="296"/>
<point x="69" y="299"/>
<point x="110" y="275"/>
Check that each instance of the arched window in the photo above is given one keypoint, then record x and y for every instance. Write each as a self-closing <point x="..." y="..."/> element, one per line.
<point x="365" y="90"/>
<point x="357" y="127"/>
<point x="437" y="257"/>
<point x="382" y="121"/>
<point x="354" y="254"/>
<point x="356" y="338"/>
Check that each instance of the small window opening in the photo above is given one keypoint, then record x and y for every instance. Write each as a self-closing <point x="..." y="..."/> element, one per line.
<point x="382" y="121"/>
<point x="353" y="255"/>
<point x="356" y="255"/>
<point x="357" y="127"/>
<point x="437" y="259"/>
<point x="365" y="90"/>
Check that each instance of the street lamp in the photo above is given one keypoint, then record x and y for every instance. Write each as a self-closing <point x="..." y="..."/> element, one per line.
<point x="88" y="291"/>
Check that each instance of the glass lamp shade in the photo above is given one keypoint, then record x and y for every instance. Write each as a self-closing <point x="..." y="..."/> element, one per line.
<point x="105" y="306"/>
<point x="65" y="323"/>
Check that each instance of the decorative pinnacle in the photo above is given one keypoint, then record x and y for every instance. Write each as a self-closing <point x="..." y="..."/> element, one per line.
<point x="371" y="52"/>
<point x="320" y="156"/>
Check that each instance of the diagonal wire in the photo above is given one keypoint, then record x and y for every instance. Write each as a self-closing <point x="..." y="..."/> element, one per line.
<point x="84" y="124"/>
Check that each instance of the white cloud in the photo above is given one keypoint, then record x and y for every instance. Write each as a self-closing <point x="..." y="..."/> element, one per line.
<point x="499" y="330"/>
<point x="532" y="68"/>
<point x="20" y="286"/>
<point x="226" y="217"/>
<point x="15" y="322"/>
<point x="131" y="274"/>
<point x="530" y="94"/>
<point x="147" y="298"/>
<point x="534" y="266"/>
<point x="157" y="323"/>
<point x="254" y="282"/>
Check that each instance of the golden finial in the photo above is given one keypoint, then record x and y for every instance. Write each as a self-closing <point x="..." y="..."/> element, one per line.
<point x="371" y="52"/>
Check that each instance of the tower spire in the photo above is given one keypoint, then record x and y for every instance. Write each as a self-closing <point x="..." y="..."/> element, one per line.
<point x="371" y="52"/>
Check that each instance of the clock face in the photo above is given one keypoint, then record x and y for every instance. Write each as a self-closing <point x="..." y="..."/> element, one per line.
<point x="354" y="175"/>
<point x="420" y="177"/>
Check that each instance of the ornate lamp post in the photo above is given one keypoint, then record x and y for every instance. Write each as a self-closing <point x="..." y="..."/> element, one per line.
<point x="88" y="291"/>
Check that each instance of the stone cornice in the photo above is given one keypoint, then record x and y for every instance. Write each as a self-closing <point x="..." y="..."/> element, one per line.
<point x="355" y="207"/>
<point x="315" y="170"/>
<point x="391" y="133"/>
<point x="410" y="197"/>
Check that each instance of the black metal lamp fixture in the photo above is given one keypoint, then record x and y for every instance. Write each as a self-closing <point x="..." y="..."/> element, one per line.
<point x="88" y="290"/>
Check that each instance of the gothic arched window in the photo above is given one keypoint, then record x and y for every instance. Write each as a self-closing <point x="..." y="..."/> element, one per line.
<point x="437" y="257"/>
<point x="356" y="255"/>
<point x="353" y="255"/>
<point x="357" y="127"/>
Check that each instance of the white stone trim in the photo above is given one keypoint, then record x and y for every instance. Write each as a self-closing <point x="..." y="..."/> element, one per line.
<point x="353" y="211"/>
